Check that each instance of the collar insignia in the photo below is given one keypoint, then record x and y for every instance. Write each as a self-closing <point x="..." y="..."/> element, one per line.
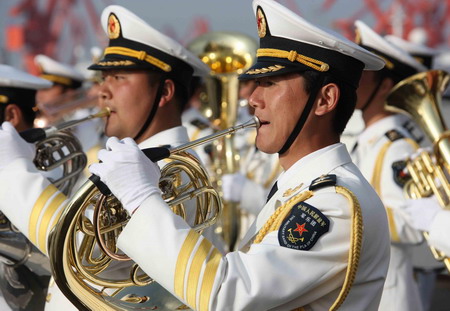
<point x="261" y="22"/>
<point x="113" y="27"/>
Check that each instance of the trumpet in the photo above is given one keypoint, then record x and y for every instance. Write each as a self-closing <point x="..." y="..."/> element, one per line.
<point x="82" y="248"/>
<point x="419" y="97"/>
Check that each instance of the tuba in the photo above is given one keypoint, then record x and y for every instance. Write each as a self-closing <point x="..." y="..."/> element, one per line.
<point x="228" y="54"/>
<point x="419" y="97"/>
<point x="85" y="261"/>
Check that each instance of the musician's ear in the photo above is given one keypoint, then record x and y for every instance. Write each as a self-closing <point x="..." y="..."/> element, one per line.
<point x="168" y="92"/>
<point x="14" y="115"/>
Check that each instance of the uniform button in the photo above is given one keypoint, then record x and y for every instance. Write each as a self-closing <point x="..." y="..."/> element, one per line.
<point x="48" y="298"/>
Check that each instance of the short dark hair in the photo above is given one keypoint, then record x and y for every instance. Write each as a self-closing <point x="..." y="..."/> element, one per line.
<point x="23" y="98"/>
<point x="347" y="100"/>
<point x="28" y="114"/>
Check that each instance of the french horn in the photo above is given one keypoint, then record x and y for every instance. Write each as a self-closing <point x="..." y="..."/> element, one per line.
<point x="419" y="97"/>
<point x="85" y="261"/>
<point x="57" y="147"/>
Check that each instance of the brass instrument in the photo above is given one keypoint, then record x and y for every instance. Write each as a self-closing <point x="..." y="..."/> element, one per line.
<point x="419" y="97"/>
<point x="53" y="149"/>
<point x="228" y="54"/>
<point x="56" y="147"/>
<point x="82" y="248"/>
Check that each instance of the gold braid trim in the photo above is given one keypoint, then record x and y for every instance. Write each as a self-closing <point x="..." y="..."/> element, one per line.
<point x="117" y="63"/>
<point x="264" y="70"/>
<point x="57" y="79"/>
<point x="274" y="222"/>
<point x="280" y="213"/>
<point x="141" y="55"/>
<point x="293" y="56"/>
<point x="376" y="184"/>
<point x="354" y="252"/>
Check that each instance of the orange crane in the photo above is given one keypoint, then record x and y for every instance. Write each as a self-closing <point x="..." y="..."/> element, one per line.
<point x="401" y="17"/>
<point x="58" y="27"/>
<point x="44" y="25"/>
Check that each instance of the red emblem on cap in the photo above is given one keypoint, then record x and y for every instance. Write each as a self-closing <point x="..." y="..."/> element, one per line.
<point x="261" y="22"/>
<point x="113" y="27"/>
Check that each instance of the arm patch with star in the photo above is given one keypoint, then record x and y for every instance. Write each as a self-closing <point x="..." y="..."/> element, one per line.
<point x="401" y="175"/>
<point x="303" y="227"/>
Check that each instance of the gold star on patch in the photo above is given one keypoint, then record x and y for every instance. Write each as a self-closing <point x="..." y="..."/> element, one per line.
<point x="261" y="22"/>
<point x="113" y="27"/>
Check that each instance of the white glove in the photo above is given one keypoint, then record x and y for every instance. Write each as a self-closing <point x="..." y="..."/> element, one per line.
<point x="232" y="186"/>
<point x="12" y="146"/>
<point x="422" y="212"/>
<point x="127" y="172"/>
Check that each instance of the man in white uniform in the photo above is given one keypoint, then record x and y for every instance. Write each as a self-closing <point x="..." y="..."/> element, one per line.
<point x="387" y="140"/>
<point x="24" y="286"/>
<point x="321" y="241"/>
<point x="145" y="80"/>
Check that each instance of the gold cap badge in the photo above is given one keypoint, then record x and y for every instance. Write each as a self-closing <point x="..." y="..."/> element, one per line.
<point x="113" y="27"/>
<point x="261" y="22"/>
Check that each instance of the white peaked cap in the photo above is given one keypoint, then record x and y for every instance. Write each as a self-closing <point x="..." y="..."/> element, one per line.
<point x="392" y="54"/>
<point x="289" y="43"/>
<point x="12" y="77"/>
<point x="410" y="47"/>
<point x="58" y="72"/>
<point x="134" y="44"/>
<point x="422" y="53"/>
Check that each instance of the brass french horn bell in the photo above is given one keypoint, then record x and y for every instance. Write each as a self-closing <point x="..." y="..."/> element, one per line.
<point x="82" y="248"/>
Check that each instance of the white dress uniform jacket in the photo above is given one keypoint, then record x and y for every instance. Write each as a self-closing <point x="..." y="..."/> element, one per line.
<point x="265" y="275"/>
<point x="33" y="204"/>
<point x="375" y="155"/>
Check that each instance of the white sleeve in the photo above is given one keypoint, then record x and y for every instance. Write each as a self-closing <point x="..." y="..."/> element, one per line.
<point x="30" y="201"/>
<point x="188" y="266"/>
<point x="393" y="196"/>
<point x="440" y="232"/>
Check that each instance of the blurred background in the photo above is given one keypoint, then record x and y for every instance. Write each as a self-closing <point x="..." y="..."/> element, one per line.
<point x="66" y="30"/>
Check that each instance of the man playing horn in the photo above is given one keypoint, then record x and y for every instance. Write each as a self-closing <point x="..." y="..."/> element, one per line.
<point x="22" y="285"/>
<point x="321" y="241"/>
<point x="146" y="76"/>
